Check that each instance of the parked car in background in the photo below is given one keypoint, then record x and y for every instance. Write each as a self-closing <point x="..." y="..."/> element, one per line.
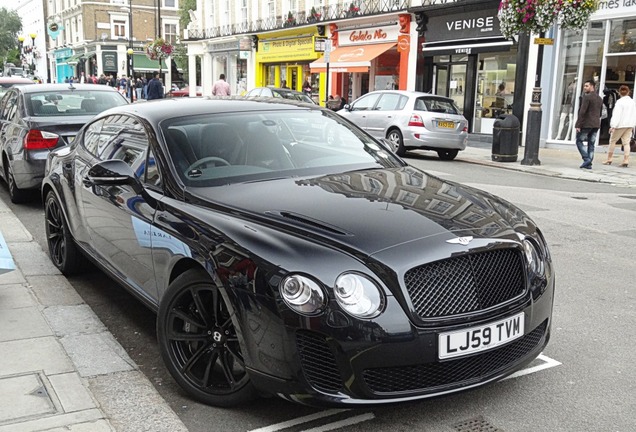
<point x="283" y="264"/>
<point x="411" y="121"/>
<point x="279" y="93"/>
<point x="185" y="92"/>
<point x="35" y="119"/>
<point x="7" y="82"/>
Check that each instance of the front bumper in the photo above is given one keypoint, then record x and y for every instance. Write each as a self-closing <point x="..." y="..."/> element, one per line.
<point x="372" y="363"/>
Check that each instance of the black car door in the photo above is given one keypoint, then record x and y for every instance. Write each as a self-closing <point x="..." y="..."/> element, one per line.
<point x="117" y="218"/>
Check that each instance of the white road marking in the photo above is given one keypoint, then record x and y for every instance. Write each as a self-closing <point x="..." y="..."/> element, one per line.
<point x="300" y="420"/>
<point x="342" y="423"/>
<point x="549" y="363"/>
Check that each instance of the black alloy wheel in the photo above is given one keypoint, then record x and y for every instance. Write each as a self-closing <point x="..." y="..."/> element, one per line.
<point x="397" y="143"/>
<point x="62" y="249"/>
<point x="199" y="343"/>
<point x="447" y="155"/>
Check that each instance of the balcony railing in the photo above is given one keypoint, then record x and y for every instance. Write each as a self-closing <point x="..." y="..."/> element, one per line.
<point x="324" y="14"/>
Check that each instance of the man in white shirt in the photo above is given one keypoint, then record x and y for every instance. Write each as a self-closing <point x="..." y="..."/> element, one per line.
<point x="221" y="87"/>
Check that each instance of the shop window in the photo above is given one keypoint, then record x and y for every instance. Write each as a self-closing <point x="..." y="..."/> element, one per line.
<point x="566" y="87"/>
<point x="495" y="88"/>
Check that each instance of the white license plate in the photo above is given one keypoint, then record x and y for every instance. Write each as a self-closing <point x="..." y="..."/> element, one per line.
<point x="476" y="339"/>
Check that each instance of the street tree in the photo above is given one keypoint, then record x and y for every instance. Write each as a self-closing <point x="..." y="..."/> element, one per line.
<point x="10" y="26"/>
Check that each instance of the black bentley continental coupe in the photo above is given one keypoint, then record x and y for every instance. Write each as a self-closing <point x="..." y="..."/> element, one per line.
<point x="287" y="252"/>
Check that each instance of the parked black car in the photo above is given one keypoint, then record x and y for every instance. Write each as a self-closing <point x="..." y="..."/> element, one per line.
<point x="275" y="92"/>
<point x="279" y="262"/>
<point x="34" y="119"/>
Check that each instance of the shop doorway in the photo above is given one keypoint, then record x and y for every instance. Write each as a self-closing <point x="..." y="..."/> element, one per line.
<point x="621" y="70"/>
<point x="450" y="81"/>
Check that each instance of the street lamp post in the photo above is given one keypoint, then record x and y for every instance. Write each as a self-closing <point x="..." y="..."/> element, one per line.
<point x="33" y="36"/>
<point x="130" y="51"/>
<point x="21" y="48"/>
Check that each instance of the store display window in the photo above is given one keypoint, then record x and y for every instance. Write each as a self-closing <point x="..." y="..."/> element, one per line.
<point x="495" y="88"/>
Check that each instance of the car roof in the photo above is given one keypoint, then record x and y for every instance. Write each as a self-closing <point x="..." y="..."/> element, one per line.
<point x="62" y="87"/>
<point x="160" y="109"/>
<point x="410" y="93"/>
<point x="16" y="80"/>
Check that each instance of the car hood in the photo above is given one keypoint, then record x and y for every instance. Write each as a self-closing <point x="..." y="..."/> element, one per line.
<point x="371" y="210"/>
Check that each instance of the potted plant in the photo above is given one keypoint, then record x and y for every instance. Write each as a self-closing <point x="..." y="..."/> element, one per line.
<point x="353" y="9"/>
<point x="518" y="16"/>
<point x="291" y="20"/>
<point x="158" y="49"/>
<point x="313" y="15"/>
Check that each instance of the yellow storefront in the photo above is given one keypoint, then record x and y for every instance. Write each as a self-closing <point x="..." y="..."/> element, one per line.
<point x="284" y="57"/>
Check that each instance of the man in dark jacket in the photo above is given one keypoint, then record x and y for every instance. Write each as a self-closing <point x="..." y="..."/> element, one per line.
<point x="155" y="88"/>
<point x="588" y="122"/>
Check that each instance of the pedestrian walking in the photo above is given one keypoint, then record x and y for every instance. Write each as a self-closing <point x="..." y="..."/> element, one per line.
<point x="221" y="87"/>
<point x="155" y="88"/>
<point x="588" y="122"/>
<point x="622" y="125"/>
<point x="139" y="86"/>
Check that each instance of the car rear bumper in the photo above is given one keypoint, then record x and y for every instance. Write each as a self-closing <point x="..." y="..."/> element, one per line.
<point x="430" y="140"/>
<point x="28" y="174"/>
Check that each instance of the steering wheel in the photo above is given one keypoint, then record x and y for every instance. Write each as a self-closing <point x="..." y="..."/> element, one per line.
<point x="207" y="159"/>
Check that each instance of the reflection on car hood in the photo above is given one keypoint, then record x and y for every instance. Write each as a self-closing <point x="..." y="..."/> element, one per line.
<point x="373" y="210"/>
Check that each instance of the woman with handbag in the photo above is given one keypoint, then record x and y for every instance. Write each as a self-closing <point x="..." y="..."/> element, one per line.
<point x="622" y="125"/>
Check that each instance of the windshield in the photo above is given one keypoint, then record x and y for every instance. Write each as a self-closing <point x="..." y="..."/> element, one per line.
<point x="252" y="146"/>
<point x="72" y="102"/>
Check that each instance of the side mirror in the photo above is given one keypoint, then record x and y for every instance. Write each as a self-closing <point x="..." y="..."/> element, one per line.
<point x="114" y="172"/>
<point x="347" y="107"/>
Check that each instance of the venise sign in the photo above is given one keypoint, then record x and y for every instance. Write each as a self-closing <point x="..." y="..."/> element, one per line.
<point x="482" y="24"/>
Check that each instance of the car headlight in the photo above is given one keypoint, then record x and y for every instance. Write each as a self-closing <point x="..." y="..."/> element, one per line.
<point x="302" y="294"/>
<point x="358" y="295"/>
<point x="533" y="256"/>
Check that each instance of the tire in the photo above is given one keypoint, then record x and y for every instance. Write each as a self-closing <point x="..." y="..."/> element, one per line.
<point x="447" y="155"/>
<point x="62" y="248"/>
<point x="397" y="142"/>
<point x="16" y="194"/>
<point x="199" y="344"/>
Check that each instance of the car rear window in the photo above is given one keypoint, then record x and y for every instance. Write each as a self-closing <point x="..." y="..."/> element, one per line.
<point x="72" y="102"/>
<point x="436" y="105"/>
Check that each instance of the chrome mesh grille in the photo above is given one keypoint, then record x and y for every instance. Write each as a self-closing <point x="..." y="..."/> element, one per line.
<point x="467" y="283"/>
<point x="318" y="362"/>
<point x="463" y="371"/>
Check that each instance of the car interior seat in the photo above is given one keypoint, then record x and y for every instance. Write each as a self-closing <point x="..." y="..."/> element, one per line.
<point x="264" y="149"/>
<point x="180" y="149"/>
<point x="89" y="105"/>
<point x="222" y="141"/>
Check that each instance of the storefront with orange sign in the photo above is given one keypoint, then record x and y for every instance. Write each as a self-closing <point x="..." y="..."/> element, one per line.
<point x="366" y="58"/>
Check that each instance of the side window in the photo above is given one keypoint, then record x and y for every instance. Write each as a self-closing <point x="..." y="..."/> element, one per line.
<point x="148" y="171"/>
<point x="365" y="103"/>
<point x="388" y="102"/>
<point x="92" y="137"/>
<point x="10" y="106"/>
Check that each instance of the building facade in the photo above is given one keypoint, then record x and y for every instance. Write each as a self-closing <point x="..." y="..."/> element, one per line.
<point x="32" y="14"/>
<point x="93" y="38"/>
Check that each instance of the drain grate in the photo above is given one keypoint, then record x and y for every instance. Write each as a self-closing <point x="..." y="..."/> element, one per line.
<point x="627" y="196"/>
<point x="579" y="197"/>
<point x="476" y="424"/>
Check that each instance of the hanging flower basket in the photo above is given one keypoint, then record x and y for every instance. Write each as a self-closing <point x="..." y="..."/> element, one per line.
<point x="158" y="49"/>
<point x="537" y="16"/>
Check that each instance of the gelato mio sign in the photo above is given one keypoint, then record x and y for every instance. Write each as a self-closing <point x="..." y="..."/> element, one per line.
<point x="368" y="35"/>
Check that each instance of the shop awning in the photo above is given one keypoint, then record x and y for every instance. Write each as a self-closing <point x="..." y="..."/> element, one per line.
<point x="141" y="63"/>
<point x="74" y="59"/>
<point x="351" y="58"/>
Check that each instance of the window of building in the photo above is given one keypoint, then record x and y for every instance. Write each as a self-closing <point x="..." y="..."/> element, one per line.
<point x="271" y="9"/>
<point x="211" y="15"/>
<point x="170" y="3"/>
<point x="226" y="13"/>
<point x="243" y="11"/>
<point x="119" y="28"/>
<point x="170" y="33"/>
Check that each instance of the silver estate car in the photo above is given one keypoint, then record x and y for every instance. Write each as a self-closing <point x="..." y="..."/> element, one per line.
<point x="411" y="120"/>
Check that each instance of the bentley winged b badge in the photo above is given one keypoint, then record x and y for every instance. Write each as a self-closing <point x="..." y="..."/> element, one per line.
<point x="460" y="240"/>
